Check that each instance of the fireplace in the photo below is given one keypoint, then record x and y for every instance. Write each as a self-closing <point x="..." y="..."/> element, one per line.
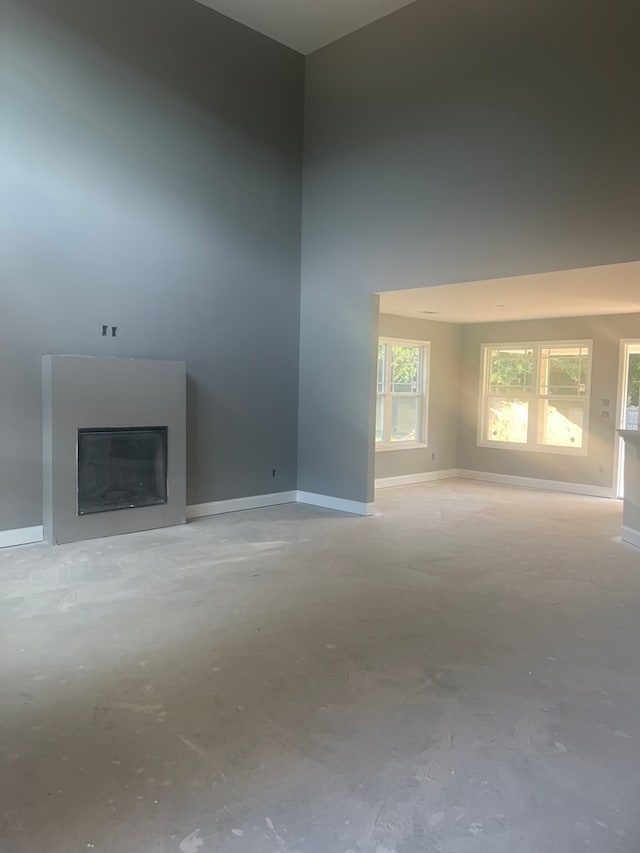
<point x="121" y="468"/>
<point x="114" y="446"/>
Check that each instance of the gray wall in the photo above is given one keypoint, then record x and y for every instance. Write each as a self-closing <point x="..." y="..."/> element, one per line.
<point x="442" y="395"/>
<point x="597" y="467"/>
<point x="151" y="179"/>
<point x="449" y="142"/>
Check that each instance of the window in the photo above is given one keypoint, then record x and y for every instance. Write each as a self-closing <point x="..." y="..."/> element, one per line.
<point x="401" y="411"/>
<point x="535" y="396"/>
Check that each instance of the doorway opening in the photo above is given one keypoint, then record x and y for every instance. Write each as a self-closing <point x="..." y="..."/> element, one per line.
<point x="629" y="399"/>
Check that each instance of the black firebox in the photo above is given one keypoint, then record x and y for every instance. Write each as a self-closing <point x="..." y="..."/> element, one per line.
<point x="121" y="468"/>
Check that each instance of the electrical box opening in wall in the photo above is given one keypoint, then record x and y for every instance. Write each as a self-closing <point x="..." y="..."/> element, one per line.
<point x="121" y="468"/>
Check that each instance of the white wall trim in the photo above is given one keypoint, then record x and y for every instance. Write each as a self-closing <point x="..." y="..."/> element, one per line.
<point x="536" y="483"/>
<point x="339" y="504"/>
<point x="410" y="479"/>
<point x="501" y="479"/>
<point x="630" y="535"/>
<point x="31" y="535"/>
<point x="21" y="536"/>
<point x="239" y="504"/>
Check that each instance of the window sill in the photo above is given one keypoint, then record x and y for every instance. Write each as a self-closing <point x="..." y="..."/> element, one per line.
<point x="536" y="448"/>
<point x="401" y="445"/>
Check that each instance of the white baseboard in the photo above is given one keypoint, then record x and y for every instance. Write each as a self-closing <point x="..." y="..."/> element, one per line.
<point x="536" y="483"/>
<point x="363" y="508"/>
<point x="238" y="504"/>
<point x="630" y="535"/>
<point x="31" y="535"/>
<point x="21" y="536"/>
<point x="410" y="479"/>
<point x="258" y="501"/>
<point x="339" y="504"/>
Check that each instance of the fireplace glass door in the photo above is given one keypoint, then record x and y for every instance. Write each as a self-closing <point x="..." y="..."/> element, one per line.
<point x="121" y="468"/>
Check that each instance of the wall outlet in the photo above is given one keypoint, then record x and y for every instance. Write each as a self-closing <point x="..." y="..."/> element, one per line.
<point x="274" y="471"/>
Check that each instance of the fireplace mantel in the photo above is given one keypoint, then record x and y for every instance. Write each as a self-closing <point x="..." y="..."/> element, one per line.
<point x="84" y="392"/>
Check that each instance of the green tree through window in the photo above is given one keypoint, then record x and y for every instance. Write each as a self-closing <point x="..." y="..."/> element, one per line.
<point x="401" y="409"/>
<point x="535" y="395"/>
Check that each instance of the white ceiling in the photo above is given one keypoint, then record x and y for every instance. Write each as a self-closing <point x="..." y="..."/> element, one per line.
<point x="613" y="289"/>
<point x="305" y="25"/>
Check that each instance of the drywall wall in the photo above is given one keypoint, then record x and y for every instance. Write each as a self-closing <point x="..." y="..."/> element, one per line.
<point x="598" y="466"/>
<point x="442" y="396"/>
<point x="449" y="142"/>
<point x="151" y="179"/>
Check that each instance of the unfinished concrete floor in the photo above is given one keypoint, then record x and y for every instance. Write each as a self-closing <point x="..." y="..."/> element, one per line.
<point x="460" y="672"/>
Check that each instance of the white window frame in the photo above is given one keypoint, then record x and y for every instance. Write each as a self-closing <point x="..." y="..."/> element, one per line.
<point x="535" y="409"/>
<point x="423" y="394"/>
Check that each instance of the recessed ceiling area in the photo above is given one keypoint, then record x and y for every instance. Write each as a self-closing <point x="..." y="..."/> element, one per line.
<point x="612" y="289"/>
<point x="305" y="25"/>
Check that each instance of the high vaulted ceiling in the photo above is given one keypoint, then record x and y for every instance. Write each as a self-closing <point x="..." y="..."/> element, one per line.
<point x="613" y="289"/>
<point x="305" y="25"/>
